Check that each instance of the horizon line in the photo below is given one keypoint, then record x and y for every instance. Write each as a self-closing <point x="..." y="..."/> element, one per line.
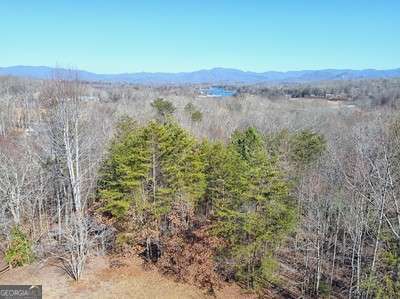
<point x="198" y="70"/>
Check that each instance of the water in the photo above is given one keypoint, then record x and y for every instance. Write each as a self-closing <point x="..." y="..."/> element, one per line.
<point x="217" y="91"/>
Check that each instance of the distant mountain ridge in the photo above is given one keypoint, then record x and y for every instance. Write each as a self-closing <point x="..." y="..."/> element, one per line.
<point x="213" y="76"/>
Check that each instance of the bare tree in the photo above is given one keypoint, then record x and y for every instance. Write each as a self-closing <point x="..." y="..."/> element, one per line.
<point x="75" y="155"/>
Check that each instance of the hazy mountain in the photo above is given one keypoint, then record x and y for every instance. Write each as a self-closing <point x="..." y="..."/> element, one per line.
<point x="215" y="75"/>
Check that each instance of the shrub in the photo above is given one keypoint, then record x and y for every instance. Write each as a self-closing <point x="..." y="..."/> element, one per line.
<point x="19" y="251"/>
<point x="197" y="116"/>
<point x="324" y="290"/>
<point x="190" y="108"/>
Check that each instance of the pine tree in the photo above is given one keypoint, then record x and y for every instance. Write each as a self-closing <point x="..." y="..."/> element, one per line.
<point x="164" y="108"/>
<point x="177" y="168"/>
<point x="225" y="178"/>
<point x="159" y="171"/>
<point x="306" y="147"/>
<point x="150" y="168"/>
<point x="127" y="166"/>
<point x="259" y="215"/>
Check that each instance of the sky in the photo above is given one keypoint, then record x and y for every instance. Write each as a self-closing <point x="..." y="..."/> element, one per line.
<point x="173" y="36"/>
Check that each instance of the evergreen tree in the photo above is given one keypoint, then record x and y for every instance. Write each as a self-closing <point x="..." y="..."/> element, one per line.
<point x="164" y="108"/>
<point x="148" y="169"/>
<point x="259" y="215"/>
<point x="247" y="143"/>
<point x="127" y="165"/>
<point x="196" y="116"/>
<point x="225" y="180"/>
<point x="152" y="169"/>
<point x="19" y="251"/>
<point x="306" y="147"/>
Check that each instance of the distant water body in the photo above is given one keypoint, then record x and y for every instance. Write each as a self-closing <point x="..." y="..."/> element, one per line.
<point x="217" y="91"/>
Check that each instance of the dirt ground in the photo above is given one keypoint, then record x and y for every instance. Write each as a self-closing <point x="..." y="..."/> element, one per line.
<point x="129" y="280"/>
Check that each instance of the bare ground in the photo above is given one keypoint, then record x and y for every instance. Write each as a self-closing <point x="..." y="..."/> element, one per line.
<point x="128" y="280"/>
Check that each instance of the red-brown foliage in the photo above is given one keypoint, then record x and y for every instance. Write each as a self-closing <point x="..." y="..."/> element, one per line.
<point x="188" y="256"/>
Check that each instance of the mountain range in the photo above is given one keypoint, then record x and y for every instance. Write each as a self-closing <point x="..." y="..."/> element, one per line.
<point x="214" y="76"/>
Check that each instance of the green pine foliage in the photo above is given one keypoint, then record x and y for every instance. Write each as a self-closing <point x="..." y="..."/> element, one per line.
<point x="306" y="147"/>
<point x="386" y="283"/>
<point x="225" y="180"/>
<point x="127" y="166"/>
<point x="237" y="187"/>
<point x="148" y="168"/>
<point x="196" y="116"/>
<point x="164" y="108"/>
<point x="19" y="251"/>
<point x="251" y="205"/>
<point x="247" y="143"/>
<point x="296" y="151"/>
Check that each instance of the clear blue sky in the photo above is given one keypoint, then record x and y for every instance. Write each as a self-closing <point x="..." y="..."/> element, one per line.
<point x="167" y="35"/>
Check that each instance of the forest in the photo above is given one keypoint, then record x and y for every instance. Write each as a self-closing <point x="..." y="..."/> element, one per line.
<point x="288" y="191"/>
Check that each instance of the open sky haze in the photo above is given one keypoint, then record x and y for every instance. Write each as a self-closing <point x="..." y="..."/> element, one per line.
<point x="172" y="36"/>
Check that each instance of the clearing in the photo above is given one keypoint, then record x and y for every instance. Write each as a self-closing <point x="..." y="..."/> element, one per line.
<point x="128" y="279"/>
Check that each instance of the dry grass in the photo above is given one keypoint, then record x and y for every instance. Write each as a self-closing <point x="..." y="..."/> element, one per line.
<point x="127" y="280"/>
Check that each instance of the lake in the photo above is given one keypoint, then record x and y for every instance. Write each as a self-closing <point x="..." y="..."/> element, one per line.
<point x="217" y="91"/>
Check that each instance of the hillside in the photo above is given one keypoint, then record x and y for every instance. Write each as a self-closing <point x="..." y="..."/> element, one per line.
<point x="215" y="75"/>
